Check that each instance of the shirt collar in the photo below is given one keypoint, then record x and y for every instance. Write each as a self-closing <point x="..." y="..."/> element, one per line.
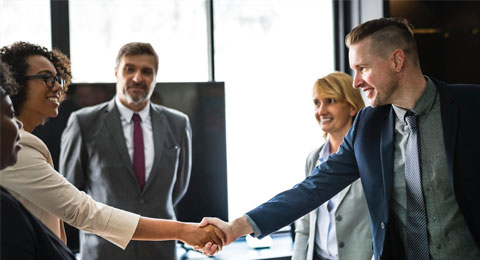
<point x="325" y="152"/>
<point x="127" y="113"/>
<point x="424" y="103"/>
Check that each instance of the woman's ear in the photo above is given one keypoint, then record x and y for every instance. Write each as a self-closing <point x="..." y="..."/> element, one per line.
<point x="353" y="111"/>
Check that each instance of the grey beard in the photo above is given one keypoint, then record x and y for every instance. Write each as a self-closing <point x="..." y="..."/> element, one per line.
<point x="134" y="101"/>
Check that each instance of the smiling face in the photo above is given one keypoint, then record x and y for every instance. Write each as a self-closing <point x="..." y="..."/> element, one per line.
<point x="374" y="74"/>
<point x="334" y="117"/>
<point x="41" y="101"/>
<point x="9" y="133"/>
<point x="135" y="80"/>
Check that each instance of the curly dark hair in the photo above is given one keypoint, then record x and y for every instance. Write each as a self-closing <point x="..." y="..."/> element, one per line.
<point x="7" y="81"/>
<point x="16" y="55"/>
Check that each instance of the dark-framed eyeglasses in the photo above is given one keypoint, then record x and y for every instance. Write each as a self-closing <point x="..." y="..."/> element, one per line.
<point x="49" y="80"/>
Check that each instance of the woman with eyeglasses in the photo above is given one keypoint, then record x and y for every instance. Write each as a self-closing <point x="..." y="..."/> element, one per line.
<point x="43" y="76"/>
<point x="22" y="235"/>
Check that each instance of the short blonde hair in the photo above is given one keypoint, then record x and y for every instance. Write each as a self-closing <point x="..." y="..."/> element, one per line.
<point x="339" y="86"/>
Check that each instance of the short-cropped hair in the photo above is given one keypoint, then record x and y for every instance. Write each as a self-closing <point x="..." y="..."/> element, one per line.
<point x="137" y="48"/>
<point x="387" y="34"/>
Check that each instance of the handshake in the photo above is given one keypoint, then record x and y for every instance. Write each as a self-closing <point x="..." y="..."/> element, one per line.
<point x="210" y="235"/>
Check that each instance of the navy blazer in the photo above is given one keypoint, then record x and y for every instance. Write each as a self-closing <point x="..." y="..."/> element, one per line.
<point x="367" y="152"/>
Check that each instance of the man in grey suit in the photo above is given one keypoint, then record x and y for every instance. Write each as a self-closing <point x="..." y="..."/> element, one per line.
<point x="130" y="154"/>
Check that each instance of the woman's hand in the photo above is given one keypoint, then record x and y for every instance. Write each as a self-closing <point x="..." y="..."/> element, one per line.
<point x="198" y="237"/>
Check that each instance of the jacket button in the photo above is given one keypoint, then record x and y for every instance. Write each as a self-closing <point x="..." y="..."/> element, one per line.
<point x="341" y="244"/>
<point x="339" y="218"/>
<point x="382" y="225"/>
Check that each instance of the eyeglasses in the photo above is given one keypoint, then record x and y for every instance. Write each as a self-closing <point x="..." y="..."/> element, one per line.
<point x="49" y="80"/>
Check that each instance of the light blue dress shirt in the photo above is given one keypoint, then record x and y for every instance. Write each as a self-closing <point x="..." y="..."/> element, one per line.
<point x="326" y="233"/>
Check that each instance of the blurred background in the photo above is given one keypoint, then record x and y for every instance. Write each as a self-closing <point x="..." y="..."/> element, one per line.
<point x="243" y="70"/>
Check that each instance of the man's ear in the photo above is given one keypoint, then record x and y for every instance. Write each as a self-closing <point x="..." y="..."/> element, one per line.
<point x="398" y="59"/>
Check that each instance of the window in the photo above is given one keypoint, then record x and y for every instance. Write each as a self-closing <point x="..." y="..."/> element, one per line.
<point x="176" y="29"/>
<point x="27" y="20"/>
<point x="269" y="53"/>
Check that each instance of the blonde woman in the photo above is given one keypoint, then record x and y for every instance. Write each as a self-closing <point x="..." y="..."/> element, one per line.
<point x="339" y="228"/>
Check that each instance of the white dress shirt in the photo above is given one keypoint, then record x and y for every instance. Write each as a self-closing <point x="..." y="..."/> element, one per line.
<point x="127" y="123"/>
<point x="326" y="236"/>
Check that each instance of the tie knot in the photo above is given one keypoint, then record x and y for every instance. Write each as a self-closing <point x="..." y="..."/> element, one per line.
<point x="136" y="118"/>
<point x="411" y="119"/>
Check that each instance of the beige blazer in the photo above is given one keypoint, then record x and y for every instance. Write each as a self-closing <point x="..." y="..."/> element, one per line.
<point x="51" y="198"/>
<point x="354" y="237"/>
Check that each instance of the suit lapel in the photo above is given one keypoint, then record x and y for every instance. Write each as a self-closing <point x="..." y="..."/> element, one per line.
<point x="313" y="214"/>
<point x="159" y="130"/>
<point x="342" y="194"/>
<point x="449" y="114"/>
<point x="387" y="125"/>
<point x="115" y="128"/>
<point x="314" y="159"/>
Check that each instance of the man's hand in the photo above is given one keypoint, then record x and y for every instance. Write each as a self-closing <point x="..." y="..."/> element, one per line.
<point x="199" y="236"/>
<point x="232" y="231"/>
<point x="222" y="225"/>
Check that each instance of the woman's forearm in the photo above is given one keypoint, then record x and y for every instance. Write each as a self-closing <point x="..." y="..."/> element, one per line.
<point x="152" y="229"/>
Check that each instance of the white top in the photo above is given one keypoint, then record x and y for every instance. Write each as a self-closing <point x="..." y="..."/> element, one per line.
<point x="51" y="198"/>
<point x="326" y="234"/>
<point x="127" y="123"/>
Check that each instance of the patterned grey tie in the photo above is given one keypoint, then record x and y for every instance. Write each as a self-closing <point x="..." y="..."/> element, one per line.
<point x="417" y="238"/>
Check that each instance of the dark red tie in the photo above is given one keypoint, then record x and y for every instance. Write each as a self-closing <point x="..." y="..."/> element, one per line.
<point x="138" y="150"/>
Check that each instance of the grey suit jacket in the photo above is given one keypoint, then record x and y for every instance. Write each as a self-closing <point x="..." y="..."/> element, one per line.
<point x="94" y="157"/>
<point x="354" y="238"/>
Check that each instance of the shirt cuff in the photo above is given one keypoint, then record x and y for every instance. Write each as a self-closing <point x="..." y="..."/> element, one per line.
<point x="120" y="227"/>
<point x="256" y="230"/>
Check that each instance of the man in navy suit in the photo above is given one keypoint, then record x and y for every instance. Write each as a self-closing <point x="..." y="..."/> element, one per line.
<point x="384" y="57"/>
